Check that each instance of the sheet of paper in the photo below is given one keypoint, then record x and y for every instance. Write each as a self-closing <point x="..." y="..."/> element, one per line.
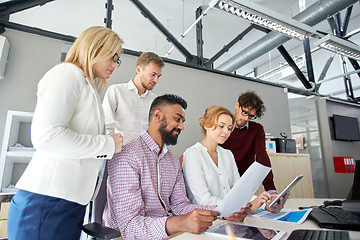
<point x="243" y="190"/>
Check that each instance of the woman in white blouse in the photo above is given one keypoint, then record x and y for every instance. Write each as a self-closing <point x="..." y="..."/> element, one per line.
<point x="209" y="170"/>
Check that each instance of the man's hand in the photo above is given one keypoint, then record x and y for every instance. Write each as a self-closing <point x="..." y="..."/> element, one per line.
<point x="196" y="221"/>
<point x="240" y="216"/>
<point x="279" y="205"/>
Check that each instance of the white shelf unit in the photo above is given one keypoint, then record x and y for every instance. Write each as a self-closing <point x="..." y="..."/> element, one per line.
<point x="13" y="163"/>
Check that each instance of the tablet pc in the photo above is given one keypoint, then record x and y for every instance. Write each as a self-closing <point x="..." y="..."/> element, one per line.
<point x="246" y="232"/>
<point x="296" y="179"/>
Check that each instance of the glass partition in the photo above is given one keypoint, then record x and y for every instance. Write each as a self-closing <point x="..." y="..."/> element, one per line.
<point x="305" y="130"/>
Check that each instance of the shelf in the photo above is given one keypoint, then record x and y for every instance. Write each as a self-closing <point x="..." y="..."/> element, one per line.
<point x="20" y="154"/>
<point x="19" y="157"/>
<point x="16" y="133"/>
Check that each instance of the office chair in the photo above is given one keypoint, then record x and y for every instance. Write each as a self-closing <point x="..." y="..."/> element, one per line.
<point x="95" y="229"/>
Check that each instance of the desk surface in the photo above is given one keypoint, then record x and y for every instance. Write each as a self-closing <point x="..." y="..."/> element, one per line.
<point x="288" y="227"/>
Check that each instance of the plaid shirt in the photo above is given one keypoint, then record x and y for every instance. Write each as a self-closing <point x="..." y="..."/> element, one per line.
<point x="134" y="190"/>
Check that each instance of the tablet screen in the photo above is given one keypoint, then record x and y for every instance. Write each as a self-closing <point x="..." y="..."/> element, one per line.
<point x="246" y="232"/>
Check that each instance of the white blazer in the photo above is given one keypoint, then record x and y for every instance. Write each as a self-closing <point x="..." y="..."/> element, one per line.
<point x="66" y="131"/>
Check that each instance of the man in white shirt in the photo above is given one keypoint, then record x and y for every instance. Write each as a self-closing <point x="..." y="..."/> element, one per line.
<point x="127" y="105"/>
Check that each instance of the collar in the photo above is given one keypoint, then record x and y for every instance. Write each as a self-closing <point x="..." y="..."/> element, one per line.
<point x="246" y="126"/>
<point x="131" y="86"/>
<point x="153" y="146"/>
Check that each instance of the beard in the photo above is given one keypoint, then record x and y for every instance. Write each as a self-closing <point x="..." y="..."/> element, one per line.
<point x="145" y="83"/>
<point x="168" y="137"/>
<point x="147" y="87"/>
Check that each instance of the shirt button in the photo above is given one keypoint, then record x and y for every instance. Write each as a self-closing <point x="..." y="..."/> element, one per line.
<point x="224" y="188"/>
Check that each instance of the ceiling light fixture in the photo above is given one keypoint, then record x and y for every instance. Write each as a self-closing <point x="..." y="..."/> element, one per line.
<point x="339" y="46"/>
<point x="266" y="18"/>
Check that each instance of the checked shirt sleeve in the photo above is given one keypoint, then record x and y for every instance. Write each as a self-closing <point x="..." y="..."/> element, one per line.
<point x="126" y="202"/>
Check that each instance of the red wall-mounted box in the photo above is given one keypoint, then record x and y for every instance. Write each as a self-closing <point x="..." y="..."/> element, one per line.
<point x="344" y="164"/>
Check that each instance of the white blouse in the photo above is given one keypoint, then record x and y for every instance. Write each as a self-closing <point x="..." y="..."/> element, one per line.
<point x="206" y="183"/>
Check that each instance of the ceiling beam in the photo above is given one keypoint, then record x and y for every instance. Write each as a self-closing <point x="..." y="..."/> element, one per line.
<point x="147" y="14"/>
<point x="308" y="58"/>
<point x="293" y="65"/>
<point x="199" y="37"/>
<point x="312" y="15"/>
<point x="355" y="65"/>
<point x="109" y="8"/>
<point x="23" y="28"/>
<point x="230" y="44"/>
<point x="347" y="19"/>
<point x="326" y="68"/>
<point x="11" y="7"/>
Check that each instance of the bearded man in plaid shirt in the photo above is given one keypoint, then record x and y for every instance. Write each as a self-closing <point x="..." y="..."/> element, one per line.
<point x="146" y="196"/>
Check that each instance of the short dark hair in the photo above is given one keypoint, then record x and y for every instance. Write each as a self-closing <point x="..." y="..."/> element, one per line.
<point x="251" y="100"/>
<point x="166" y="99"/>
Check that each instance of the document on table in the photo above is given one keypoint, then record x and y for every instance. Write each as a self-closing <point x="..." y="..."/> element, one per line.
<point x="285" y="215"/>
<point x="243" y="190"/>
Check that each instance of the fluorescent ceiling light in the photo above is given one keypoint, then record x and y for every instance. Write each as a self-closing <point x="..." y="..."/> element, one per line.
<point x="265" y="17"/>
<point x="339" y="46"/>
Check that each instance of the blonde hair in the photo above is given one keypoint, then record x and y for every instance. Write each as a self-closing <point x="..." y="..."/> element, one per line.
<point x="150" y="57"/>
<point x="211" y="116"/>
<point x="95" y="44"/>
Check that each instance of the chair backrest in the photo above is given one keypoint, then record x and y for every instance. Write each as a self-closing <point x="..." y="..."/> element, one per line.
<point x="95" y="229"/>
<point x="100" y="200"/>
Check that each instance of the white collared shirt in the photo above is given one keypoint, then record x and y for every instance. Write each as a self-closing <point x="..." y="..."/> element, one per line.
<point x="206" y="183"/>
<point x="126" y="112"/>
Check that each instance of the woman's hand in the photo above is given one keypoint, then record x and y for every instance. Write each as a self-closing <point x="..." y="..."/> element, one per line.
<point x="279" y="205"/>
<point x="239" y="216"/>
<point x="118" y="139"/>
<point x="262" y="198"/>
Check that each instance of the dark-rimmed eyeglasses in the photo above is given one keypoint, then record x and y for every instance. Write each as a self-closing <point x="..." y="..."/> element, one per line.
<point x="116" y="59"/>
<point x="246" y="114"/>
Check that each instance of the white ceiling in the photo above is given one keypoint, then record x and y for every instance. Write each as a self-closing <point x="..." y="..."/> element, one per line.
<point x="219" y="28"/>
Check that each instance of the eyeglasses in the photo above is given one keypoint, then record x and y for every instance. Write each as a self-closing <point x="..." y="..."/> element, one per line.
<point x="116" y="59"/>
<point x="246" y="114"/>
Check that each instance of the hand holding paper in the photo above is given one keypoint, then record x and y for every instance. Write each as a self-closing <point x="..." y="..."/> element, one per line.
<point x="243" y="190"/>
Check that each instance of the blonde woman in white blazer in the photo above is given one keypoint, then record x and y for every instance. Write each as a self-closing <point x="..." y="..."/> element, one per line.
<point x="67" y="132"/>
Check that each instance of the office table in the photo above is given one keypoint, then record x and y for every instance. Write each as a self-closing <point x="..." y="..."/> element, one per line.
<point x="288" y="227"/>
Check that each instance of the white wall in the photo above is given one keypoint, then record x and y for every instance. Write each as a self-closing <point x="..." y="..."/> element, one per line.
<point x="31" y="56"/>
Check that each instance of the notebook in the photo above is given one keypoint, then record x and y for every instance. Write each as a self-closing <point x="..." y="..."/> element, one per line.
<point x="346" y="216"/>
